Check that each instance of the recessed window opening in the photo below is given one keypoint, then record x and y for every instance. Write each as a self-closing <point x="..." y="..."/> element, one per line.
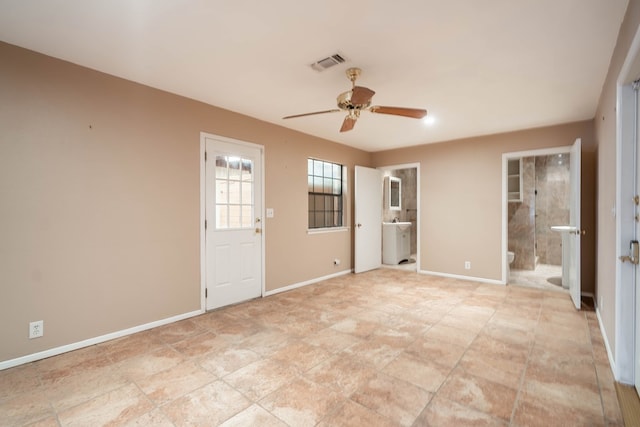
<point x="325" y="181"/>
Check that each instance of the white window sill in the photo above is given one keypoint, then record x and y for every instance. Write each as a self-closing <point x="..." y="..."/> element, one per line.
<point x="326" y="230"/>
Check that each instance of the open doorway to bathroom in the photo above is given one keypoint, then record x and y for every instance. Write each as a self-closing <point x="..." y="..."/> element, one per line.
<point x="538" y="205"/>
<point x="400" y="216"/>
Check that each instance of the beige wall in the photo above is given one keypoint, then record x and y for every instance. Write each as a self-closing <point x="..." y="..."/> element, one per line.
<point x="461" y="197"/>
<point x="605" y="130"/>
<point x="100" y="207"/>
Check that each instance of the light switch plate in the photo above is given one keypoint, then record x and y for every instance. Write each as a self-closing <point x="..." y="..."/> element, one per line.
<point x="269" y="212"/>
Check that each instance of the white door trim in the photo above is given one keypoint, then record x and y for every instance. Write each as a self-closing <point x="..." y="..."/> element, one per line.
<point x="418" y="207"/>
<point x="203" y="258"/>
<point x="505" y="222"/>
<point x="624" y="360"/>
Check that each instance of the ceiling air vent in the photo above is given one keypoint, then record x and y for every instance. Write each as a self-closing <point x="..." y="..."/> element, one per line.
<point x="328" y="62"/>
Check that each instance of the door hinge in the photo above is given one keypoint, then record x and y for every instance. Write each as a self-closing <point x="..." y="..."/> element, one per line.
<point x="205" y="224"/>
<point x="206" y="291"/>
<point x="205" y="156"/>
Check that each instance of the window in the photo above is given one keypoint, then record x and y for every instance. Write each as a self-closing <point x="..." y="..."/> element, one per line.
<point x="234" y="192"/>
<point x="325" y="182"/>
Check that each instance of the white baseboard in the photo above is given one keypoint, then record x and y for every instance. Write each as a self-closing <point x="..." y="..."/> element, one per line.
<point x="306" y="283"/>
<point x="92" y="341"/>
<point x="612" y="362"/>
<point x="468" y="278"/>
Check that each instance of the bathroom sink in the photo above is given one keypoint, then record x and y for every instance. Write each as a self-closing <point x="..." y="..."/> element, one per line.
<point x="563" y="228"/>
<point x="400" y="225"/>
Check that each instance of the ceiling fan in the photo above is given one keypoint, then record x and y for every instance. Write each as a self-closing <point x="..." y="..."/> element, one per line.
<point x="358" y="99"/>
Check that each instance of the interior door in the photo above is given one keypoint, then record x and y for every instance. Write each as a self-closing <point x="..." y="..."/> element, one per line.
<point x="368" y="219"/>
<point x="574" y="222"/>
<point x="634" y="263"/>
<point x="233" y="243"/>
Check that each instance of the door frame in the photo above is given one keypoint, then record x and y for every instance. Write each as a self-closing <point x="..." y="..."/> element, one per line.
<point x="623" y="365"/>
<point x="505" y="220"/>
<point x="418" y="203"/>
<point x="203" y="202"/>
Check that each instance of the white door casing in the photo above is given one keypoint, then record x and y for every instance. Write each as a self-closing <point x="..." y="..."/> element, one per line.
<point x="233" y="214"/>
<point x="368" y="219"/>
<point x="574" y="222"/>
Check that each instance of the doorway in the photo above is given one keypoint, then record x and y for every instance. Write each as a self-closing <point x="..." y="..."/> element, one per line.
<point x="232" y="241"/>
<point x="512" y="191"/>
<point x="400" y="204"/>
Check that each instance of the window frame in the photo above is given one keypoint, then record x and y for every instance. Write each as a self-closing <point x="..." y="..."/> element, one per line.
<point x="339" y="198"/>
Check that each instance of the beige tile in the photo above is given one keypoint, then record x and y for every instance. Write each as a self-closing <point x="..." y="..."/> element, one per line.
<point x="440" y="352"/>
<point x="175" y="382"/>
<point x="198" y="345"/>
<point x="418" y="371"/>
<point x="18" y="380"/>
<point x="499" y="349"/>
<point x="261" y="378"/>
<point x="209" y="405"/>
<point x="254" y="415"/>
<point x="352" y="414"/>
<point x="301" y="355"/>
<point x="342" y="372"/>
<point x="155" y="418"/>
<point x="178" y="331"/>
<point x="45" y="422"/>
<point x="331" y="340"/>
<point x="503" y="371"/>
<point x="117" y="407"/>
<point x="532" y="411"/>
<point x="392" y="398"/>
<point x="478" y="393"/>
<point x="139" y="367"/>
<point x="302" y="402"/>
<point x="25" y="408"/>
<point x="131" y="346"/>
<point x="266" y="342"/>
<point x="444" y="412"/>
<point x="84" y="359"/>
<point x="374" y="352"/>
<point x="563" y="390"/>
<point x="456" y="321"/>
<point x="82" y="386"/>
<point x="457" y="336"/>
<point x="226" y="361"/>
<point x="356" y="327"/>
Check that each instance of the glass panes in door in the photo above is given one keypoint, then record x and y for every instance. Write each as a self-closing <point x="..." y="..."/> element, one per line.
<point x="234" y="192"/>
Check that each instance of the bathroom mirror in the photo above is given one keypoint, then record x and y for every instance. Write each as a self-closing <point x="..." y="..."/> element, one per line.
<point x="395" y="192"/>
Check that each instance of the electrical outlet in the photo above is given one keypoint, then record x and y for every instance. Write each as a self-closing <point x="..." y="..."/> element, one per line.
<point x="36" y="329"/>
<point x="467" y="265"/>
<point x="336" y="261"/>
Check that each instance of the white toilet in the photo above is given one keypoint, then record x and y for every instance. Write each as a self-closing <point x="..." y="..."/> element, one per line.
<point x="510" y="257"/>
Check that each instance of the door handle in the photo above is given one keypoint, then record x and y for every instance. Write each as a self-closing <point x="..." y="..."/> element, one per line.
<point x="359" y="225"/>
<point x="258" y="230"/>
<point x="634" y="253"/>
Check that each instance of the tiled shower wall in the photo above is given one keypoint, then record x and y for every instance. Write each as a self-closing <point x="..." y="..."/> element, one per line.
<point x="522" y="226"/>
<point x="552" y="205"/>
<point x="530" y="221"/>
<point x="409" y="205"/>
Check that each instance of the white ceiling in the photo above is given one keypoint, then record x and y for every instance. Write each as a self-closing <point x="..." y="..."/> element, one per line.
<point x="478" y="67"/>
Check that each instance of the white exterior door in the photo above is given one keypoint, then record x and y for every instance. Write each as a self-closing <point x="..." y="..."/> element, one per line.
<point x="574" y="222"/>
<point x="368" y="219"/>
<point x="233" y="242"/>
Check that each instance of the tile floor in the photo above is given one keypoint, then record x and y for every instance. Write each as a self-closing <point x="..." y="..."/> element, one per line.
<point x="383" y="348"/>
<point x="545" y="276"/>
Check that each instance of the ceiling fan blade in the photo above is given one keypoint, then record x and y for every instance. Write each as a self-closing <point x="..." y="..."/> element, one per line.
<point x="335" y="110"/>
<point x="415" y="113"/>
<point x="361" y="95"/>
<point x="348" y="123"/>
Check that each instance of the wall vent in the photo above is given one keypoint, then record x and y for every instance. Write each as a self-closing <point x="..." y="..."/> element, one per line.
<point x="328" y="62"/>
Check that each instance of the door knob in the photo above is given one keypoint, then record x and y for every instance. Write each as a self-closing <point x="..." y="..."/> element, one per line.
<point x="258" y="230"/>
<point x="359" y="225"/>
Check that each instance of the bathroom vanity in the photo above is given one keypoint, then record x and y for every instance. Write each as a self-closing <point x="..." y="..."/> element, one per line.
<point x="396" y="242"/>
